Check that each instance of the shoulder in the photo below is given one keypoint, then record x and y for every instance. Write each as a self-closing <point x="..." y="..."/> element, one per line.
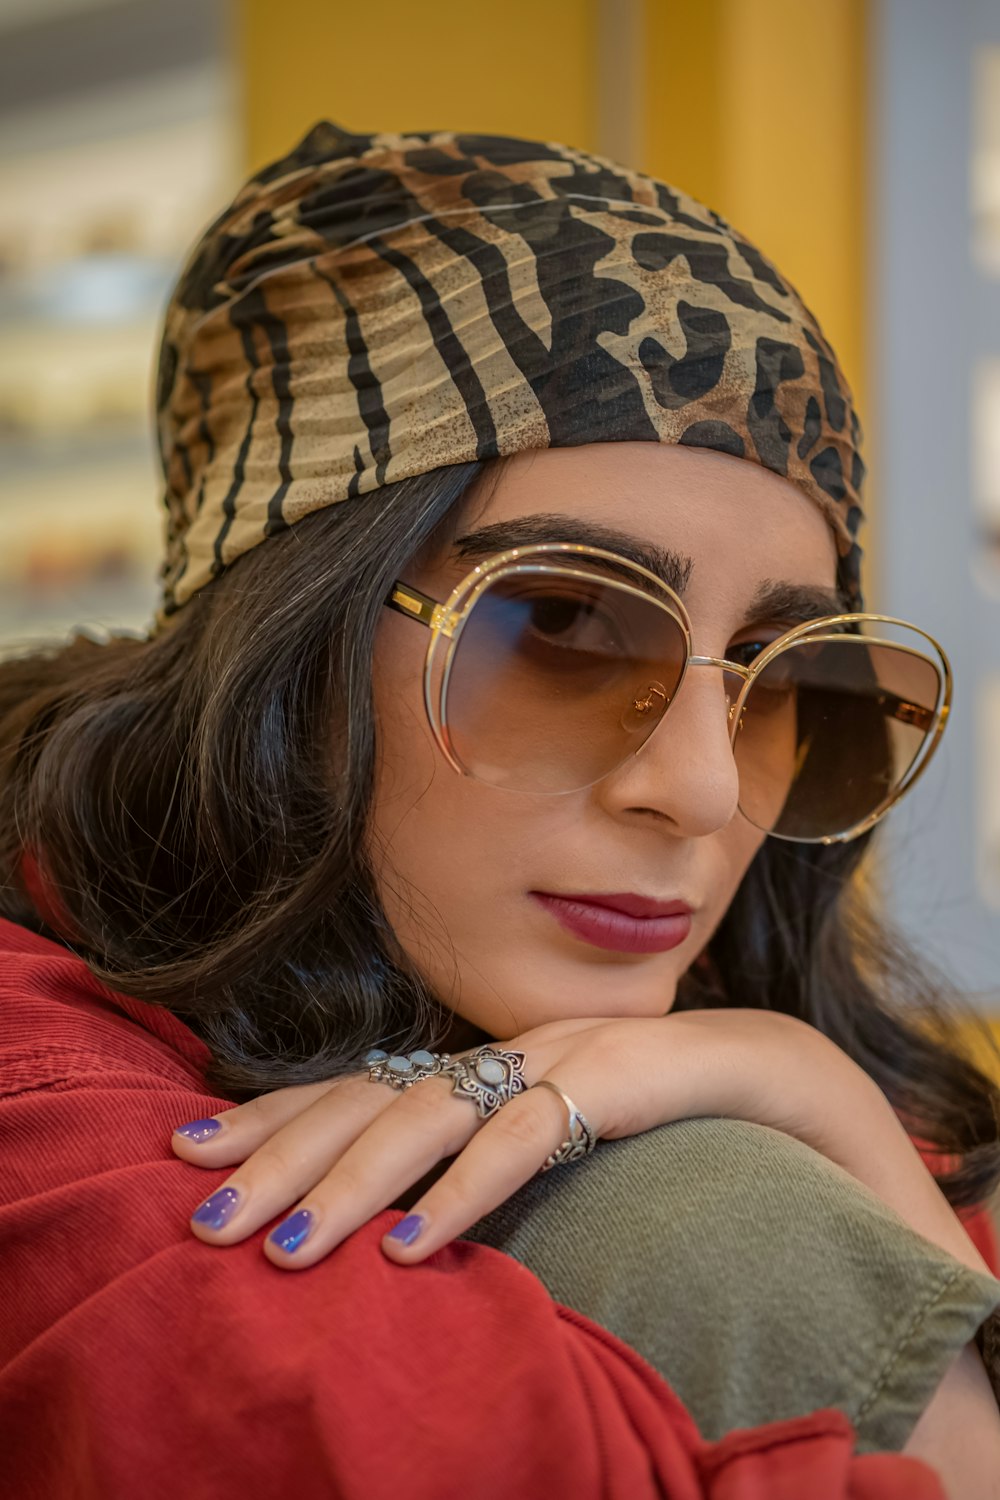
<point x="269" y="1377"/>
<point x="122" y="1315"/>
<point x="59" y="1022"/>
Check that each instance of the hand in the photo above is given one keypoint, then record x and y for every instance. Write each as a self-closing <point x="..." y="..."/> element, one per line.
<point x="342" y="1152"/>
<point x="359" y="1145"/>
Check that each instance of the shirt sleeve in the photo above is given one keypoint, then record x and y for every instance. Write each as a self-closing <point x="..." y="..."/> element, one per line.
<point x="136" y="1360"/>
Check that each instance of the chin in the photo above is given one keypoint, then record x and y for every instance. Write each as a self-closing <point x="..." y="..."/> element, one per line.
<point x="604" y="1001"/>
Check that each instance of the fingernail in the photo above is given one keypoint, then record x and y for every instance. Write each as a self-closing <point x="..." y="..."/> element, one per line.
<point x="217" y="1210"/>
<point x="289" y="1235"/>
<point x="199" y="1130"/>
<point x="407" y="1230"/>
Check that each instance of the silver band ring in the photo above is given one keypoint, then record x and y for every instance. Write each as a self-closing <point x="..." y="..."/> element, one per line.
<point x="402" y="1072"/>
<point x="489" y="1076"/>
<point x="581" y="1139"/>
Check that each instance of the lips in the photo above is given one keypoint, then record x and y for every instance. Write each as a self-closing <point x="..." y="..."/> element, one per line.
<point x="595" y="921"/>
<point x="632" y="906"/>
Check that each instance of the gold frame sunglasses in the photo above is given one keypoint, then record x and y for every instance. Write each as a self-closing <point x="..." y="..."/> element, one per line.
<point x="447" y="621"/>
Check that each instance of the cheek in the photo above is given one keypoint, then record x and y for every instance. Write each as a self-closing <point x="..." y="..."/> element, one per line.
<point x="437" y="840"/>
<point x="446" y="870"/>
<point x="406" y="757"/>
<point x="738" y="848"/>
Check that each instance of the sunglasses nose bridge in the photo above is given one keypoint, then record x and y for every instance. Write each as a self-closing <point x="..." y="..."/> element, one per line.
<point x="731" y="669"/>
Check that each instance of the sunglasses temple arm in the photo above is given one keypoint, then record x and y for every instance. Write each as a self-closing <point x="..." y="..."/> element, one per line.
<point x="906" y="712"/>
<point x="412" y="603"/>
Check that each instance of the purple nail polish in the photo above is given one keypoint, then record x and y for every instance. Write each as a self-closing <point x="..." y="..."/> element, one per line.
<point x="289" y="1235"/>
<point x="217" y="1210"/>
<point x="198" y="1130"/>
<point x="407" y="1230"/>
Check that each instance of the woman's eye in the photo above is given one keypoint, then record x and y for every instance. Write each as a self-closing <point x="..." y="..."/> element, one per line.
<point x="559" y="615"/>
<point x="554" y="616"/>
<point x="573" y="622"/>
<point x="746" y="653"/>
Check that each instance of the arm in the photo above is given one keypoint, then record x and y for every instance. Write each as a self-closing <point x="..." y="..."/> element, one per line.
<point x="959" y="1432"/>
<point x="355" y="1147"/>
<point x="807" y="1087"/>
<point x="135" y="1356"/>
<point x="745" y="1065"/>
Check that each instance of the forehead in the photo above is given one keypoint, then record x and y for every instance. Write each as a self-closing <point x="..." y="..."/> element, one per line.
<point x="717" y="523"/>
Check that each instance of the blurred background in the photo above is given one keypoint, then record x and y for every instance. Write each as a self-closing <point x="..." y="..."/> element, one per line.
<point x="856" y="141"/>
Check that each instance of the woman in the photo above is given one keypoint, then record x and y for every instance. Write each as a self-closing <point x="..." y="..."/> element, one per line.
<point x="396" y="360"/>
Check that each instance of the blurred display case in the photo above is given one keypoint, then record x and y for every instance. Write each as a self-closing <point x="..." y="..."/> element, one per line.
<point x="985" y="160"/>
<point x="117" y="145"/>
<point x="935" y="341"/>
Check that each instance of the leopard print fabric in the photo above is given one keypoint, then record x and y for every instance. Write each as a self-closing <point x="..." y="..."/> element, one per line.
<point x="373" y="306"/>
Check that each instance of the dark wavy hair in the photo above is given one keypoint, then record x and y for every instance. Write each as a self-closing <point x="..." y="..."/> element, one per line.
<point x="197" y="805"/>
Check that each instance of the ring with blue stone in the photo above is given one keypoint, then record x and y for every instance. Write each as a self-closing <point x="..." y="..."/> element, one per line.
<point x="489" y="1076"/>
<point x="401" y="1072"/>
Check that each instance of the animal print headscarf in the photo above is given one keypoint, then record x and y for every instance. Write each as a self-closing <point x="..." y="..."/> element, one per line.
<point x="373" y="306"/>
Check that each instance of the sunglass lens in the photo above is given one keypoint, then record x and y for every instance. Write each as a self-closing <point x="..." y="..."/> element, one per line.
<point x="556" y="679"/>
<point x="829" y="731"/>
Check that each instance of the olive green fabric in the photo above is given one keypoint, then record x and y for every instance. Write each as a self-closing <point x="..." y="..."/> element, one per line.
<point x="760" y="1279"/>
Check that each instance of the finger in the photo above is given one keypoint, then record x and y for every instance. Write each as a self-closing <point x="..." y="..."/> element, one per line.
<point x="290" y="1161"/>
<point x="508" y="1151"/>
<point x="425" y="1124"/>
<point x="228" y="1137"/>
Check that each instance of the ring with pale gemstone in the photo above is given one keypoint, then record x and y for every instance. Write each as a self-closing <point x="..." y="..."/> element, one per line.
<point x="582" y="1137"/>
<point x="402" y="1072"/>
<point x="489" y="1076"/>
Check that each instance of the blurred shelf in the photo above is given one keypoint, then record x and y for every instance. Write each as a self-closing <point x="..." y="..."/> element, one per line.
<point x="31" y="620"/>
<point x="27" y="454"/>
<point x="119" y="140"/>
<point x="91" y="291"/>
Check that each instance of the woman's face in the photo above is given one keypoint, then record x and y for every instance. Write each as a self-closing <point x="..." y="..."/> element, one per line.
<point x="460" y="864"/>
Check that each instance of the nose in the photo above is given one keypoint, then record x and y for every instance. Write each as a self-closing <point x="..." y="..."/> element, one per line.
<point x="685" y="770"/>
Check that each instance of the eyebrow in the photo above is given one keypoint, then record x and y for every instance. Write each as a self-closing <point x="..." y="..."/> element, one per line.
<point x="782" y="600"/>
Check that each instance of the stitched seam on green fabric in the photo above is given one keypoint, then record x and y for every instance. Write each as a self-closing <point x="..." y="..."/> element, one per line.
<point x="918" y="1317"/>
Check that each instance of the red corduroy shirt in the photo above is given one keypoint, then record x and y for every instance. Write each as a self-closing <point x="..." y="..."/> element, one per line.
<point x="137" y="1363"/>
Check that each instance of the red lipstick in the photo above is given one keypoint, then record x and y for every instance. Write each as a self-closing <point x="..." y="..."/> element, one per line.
<point x="622" y="922"/>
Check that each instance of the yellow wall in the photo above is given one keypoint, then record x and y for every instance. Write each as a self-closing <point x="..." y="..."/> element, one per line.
<point x="982" y="1053"/>
<point x="523" y="67"/>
